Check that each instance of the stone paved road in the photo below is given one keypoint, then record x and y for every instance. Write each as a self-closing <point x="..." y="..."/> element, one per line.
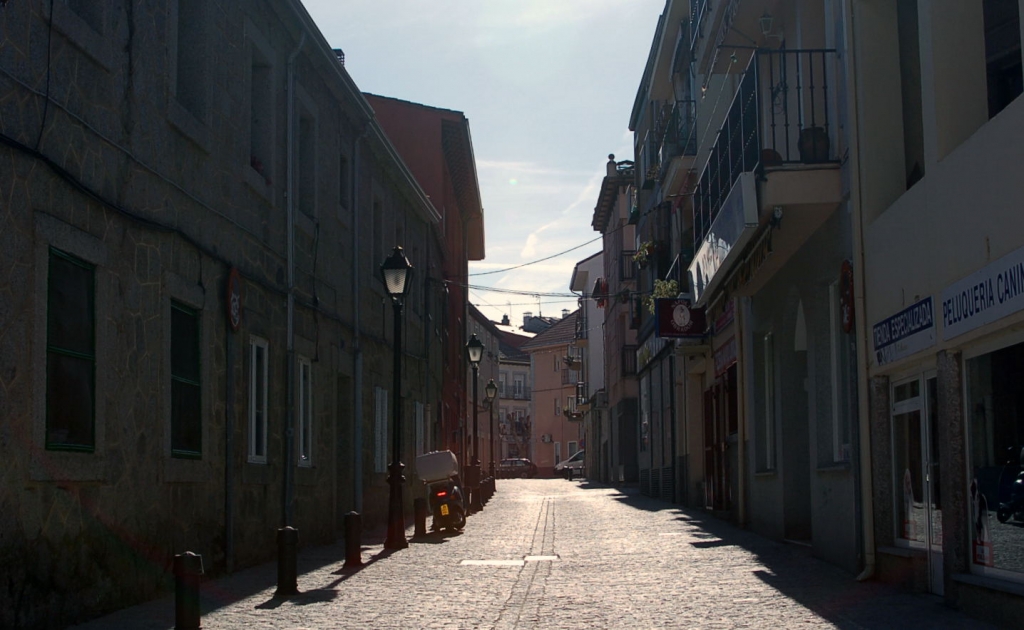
<point x="560" y="554"/>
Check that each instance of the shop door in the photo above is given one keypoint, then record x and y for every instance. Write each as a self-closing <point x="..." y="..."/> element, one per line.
<point x="917" y="473"/>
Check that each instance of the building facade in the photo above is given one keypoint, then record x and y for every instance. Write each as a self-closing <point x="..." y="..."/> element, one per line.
<point x="557" y="429"/>
<point x="743" y="209"/>
<point x="613" y="455"/>
<point x="941" y="292"/>
<point x="197" y="346"/>
<point x="591" y="397"/>
<point x="514" y="392"/>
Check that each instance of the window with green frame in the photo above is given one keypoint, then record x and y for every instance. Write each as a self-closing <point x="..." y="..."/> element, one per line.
<point x="70" y="354"/>
<point x="186" y="411"/>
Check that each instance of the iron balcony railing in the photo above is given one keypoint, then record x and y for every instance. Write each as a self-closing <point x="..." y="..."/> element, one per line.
<point x="781" y="114"/>
<point x="679" y="137"/>
<point x="581" y="326"/>
<point x="570" y="377"/>
<point x="698" y="11"/>
<point x="516" y="393"/>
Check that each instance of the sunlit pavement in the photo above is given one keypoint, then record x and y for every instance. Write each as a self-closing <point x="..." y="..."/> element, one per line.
<point x="551" y="553"/>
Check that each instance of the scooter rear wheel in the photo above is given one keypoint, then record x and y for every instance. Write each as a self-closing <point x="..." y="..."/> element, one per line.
<point x="1003" y="514"/>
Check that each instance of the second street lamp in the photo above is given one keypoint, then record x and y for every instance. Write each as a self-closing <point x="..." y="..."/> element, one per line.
<point x="396" y="271"/>
<point x="491" y="390"/>
<point x="475" y="352"/>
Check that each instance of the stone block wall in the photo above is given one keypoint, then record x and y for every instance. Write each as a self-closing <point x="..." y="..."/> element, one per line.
<point x="99" y="159"/>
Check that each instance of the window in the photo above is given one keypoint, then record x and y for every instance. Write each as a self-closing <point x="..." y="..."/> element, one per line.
<point x="261" y="123"/>
<point x="1002" y="53"/>
<point x="558" y="453"/>
<point x="258" y="355"/>
<point x="519" y="385"/>
<point x="558" y="410"/>
<point x="304" y="413"/>
<point x="501" y="384"/>
<point x="380" y="430"/>
<point x="843" y="366"/>
<point x="305" y="183"/>
<point x="90" y="11"/>
<point x="378" y="234"/>
<point x="190" y="70"/>
<point x="70" y="354"/>
<point x="556" y="362"/>
<point x="910" y="84"/>
<point x="344" y="177"/>
<point x="995" y="430"/>
<point x="572" y="449"/>
<point x="186" y="408"/>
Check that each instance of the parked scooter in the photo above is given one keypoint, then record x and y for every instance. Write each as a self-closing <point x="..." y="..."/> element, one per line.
<point x="440" y="471"/>
<point x="1011" y="486"/>
<point x="447" y="505"/>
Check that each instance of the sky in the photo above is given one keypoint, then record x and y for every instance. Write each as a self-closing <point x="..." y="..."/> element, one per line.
<point x="547" y="87"/>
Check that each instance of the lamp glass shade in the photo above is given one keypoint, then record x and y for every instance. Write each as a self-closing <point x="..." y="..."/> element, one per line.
<point x="395" y="272"/>
<point x="474" y="349"/>
<point x="491" y="389"/>
<point x="766" y="22"/>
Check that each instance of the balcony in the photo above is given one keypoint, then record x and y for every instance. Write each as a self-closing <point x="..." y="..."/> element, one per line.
<point x="774" y="153"/>
<point x="516" y="393"/>
<point x="570" y="377"/>
<point x="679" y="140"/>
<point x="580" y="334"/>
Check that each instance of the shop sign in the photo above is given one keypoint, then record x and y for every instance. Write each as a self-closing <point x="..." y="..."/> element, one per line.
<point x="993" y="292"/>
<point x="909" y="331"/>
<point x="725" y="356"/>
<point x="731" y="230"/>
<point x="679" y="319"/>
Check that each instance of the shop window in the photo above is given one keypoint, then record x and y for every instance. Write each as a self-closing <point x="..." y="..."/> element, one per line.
<point x="995" y="424"/>
<point x="186" y="408"/>
<point x="70" y="354"/>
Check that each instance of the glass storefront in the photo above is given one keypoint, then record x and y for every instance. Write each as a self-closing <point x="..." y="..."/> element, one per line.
<point x="995" y="424"/>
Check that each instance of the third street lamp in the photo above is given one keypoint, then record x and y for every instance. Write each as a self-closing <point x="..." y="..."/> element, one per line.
<point x="475" y="352"/>
<point x="491" y="390"/>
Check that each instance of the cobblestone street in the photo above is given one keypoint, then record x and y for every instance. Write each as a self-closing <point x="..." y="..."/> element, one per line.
<point x="560" y="554"/>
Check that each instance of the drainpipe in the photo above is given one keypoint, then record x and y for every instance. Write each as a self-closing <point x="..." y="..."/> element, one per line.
<point x="289" y="473"/>
<point x="357" y="358"/>
<point x="863" y="411"/>
<point x="746" y="361"/>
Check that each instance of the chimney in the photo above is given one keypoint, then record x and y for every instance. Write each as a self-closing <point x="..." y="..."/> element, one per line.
<point x="610" y="168"/>
<point x="340" y="54"/>
<point x="565" y="313"/>
<point x="527" y="316"/>
<point x="504" y="320"/>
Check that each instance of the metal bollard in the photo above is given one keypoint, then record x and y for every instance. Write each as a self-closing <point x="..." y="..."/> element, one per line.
<point x="420" y="510"/>
<point x="188" y="567"/>
<point x="287" y="569"/>
<point x="353" y="540"/>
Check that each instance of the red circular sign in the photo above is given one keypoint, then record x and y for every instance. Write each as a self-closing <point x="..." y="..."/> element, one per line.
<point x="234" y="302"/>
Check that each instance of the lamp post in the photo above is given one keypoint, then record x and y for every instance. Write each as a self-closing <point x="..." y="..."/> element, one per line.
<point x="491" y="390"/>
<point x="396" y="271"/>
<point x="475" y="352"/>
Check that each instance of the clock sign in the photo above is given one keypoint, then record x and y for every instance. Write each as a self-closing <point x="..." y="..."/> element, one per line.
<point x="678" y="318"/>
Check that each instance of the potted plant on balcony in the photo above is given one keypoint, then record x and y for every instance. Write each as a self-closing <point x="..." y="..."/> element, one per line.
<point x="644" y="252"/>
<point x="662" y="289"/>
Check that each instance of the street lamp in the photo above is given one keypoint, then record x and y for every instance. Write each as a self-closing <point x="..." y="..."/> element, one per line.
<point x="395" y="272"/>
<point x="475" y="352"/>
<point x="491" y="390"/>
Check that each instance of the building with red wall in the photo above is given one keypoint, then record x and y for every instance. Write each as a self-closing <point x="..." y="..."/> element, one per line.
<point x="436" y="146"/>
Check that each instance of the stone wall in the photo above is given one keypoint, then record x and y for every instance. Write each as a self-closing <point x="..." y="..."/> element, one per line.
<point x="101" y="159"/>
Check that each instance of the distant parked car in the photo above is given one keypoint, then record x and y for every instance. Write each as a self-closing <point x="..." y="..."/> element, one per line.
<point x="519" y="467"/>
<point x="571" y="467"/>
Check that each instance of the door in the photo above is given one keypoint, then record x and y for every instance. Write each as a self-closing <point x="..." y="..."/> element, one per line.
<point x="917" y="472"/>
